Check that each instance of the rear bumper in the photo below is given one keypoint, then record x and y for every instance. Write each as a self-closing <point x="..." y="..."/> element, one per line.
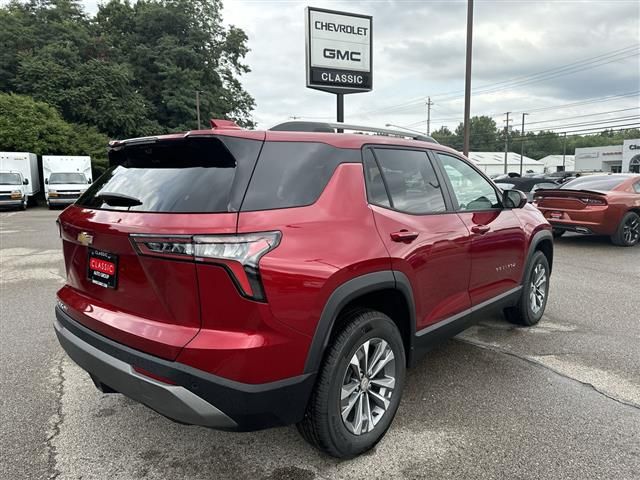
<point x="577" y="228"/>
<point x="193" y="397"/>
<point x="588" y="222"/>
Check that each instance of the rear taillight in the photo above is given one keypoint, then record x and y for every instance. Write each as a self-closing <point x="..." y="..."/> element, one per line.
<point x="593" y="201"/>
<point x="238" y="254"/>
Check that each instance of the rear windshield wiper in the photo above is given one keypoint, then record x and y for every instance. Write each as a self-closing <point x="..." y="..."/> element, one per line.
<point x="118" y="199"/>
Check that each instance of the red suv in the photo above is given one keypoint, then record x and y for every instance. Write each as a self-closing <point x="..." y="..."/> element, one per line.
<point x="243" y="279"/>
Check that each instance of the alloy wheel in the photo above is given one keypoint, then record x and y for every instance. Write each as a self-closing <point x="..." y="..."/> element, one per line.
<point x="368" y="385"/>
<point x="538" y="291"/>
<point x="631" y="230"/>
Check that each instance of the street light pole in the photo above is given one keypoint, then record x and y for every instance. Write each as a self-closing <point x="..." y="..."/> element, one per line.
<point x="467" y="79"/>
<point x="564" y="152"/>
<point x="522" y="142"/>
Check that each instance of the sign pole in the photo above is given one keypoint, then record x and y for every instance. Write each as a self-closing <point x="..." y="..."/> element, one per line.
<point x="340" y="108"/>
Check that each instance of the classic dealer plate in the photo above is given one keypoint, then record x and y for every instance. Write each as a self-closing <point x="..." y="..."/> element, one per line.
<point x="102" y="268"/>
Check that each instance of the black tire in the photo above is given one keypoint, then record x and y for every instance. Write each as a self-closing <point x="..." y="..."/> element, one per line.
<point x="322" y="425"/>
<point x="628" y="232"/>
<point x="558" y="233"/>
<point x="525" y="312"/>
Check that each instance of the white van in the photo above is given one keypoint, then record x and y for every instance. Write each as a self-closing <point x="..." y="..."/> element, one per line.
<point x="66" y="177"/>
<point x="19" y="179"/>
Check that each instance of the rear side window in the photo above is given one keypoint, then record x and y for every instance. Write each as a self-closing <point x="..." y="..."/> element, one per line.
<point x="636" y="187"/>
<point x="410" y="181"/>
<point x="293" y="174"/>
<point x="191" y="175"/>
<point x="594" y="183"/>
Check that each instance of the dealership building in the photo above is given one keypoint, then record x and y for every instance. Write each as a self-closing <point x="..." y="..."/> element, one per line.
<point x="492" y="163"/>
<point x="613" y="158"/>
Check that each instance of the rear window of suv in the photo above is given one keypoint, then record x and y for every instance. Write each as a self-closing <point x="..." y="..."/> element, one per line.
<point x="191" y="175"/>
<point x="594" y="183"/>
<point x="293" y="174"/>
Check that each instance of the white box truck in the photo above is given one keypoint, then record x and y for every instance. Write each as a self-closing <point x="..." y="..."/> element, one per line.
<point x="66" y="177"/>
<point x="19" y="179"/>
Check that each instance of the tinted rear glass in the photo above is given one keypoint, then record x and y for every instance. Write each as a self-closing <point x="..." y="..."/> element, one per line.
<point x="593" y="183"/>
<point x="293" y="174"/>
<point x="199" y="175"/>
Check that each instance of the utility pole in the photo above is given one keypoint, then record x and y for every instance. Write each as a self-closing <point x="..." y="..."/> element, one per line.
<point x="564" y="152"/>
<point x="429" y="103"/>
<point x="198" y="108"/>
<point x="506" y="143"/>
<point x="522" y="142"/>
<point x="467" y="79"/>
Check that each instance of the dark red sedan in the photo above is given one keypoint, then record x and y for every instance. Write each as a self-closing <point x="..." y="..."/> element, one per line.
<point x="598" y="204"/>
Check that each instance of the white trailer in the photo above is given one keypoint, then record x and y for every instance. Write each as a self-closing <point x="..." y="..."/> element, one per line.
<point x="66" y="177"/>
<point x="19" y="179"/>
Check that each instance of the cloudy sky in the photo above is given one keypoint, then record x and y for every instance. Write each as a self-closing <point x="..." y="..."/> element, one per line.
<point x="538" y="57"/>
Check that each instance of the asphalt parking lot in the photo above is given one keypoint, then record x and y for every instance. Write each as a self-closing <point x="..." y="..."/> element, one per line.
<point x="558" y="401"/>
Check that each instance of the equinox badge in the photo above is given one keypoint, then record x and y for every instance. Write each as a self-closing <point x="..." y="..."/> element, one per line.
<point x="85" y="238"/>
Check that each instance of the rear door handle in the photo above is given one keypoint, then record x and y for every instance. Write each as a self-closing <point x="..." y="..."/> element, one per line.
<point x="481" y="229"/>
<point x="404" y="236"/>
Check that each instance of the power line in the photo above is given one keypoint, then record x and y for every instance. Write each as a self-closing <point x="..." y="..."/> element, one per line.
<point x="588" y="115"/>
<point x="553" y="107"/>
<point x="610" y="53"/>
<point x="574" y="67"/>
<point x="559" y="73"/>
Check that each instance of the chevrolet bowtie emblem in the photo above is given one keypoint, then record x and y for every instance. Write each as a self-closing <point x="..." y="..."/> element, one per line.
<point x="85" y="238"/>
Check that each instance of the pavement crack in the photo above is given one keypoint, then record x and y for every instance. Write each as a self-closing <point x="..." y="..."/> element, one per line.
<point x="497" y="349"/>
<point x="56" y="421"/>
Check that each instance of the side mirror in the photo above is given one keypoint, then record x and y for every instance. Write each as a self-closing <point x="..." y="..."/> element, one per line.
<point x="89" y="181"/>
<point x="514" y="199"/>
<point x="46" y="181"/>
<point x="25" y="181"/>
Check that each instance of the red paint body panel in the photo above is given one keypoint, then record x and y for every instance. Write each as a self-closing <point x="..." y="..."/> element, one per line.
<point x="155" y="307"/>
<point x="497" y="256"/>
<point x="437" y="262"/>
<point x="322" y="246"/>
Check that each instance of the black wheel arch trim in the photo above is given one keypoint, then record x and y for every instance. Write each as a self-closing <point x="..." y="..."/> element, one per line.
<point x="537" y="238"/>
<point x="345" y="293"/>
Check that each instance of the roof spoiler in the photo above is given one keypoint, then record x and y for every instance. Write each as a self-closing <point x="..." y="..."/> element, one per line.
<point x="221" y="124"/>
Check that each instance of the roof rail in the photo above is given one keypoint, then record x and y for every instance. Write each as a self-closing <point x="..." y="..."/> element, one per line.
<point x="336" y="127"/>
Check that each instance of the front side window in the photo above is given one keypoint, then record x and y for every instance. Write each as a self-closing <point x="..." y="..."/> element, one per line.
<point x="67" y="178"/>
<point x="472" y="191"/>
<point x="636" y="187"/>
<point x="410" y="180"/>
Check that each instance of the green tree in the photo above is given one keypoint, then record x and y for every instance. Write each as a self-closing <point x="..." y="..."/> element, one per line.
<point x="175" y="48"/>
<point x="131" y="70"/>
<point x="32" y="126"/>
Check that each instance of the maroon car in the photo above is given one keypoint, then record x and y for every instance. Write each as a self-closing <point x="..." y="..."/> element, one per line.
<point x="243" y="279"/>
<point x="595" y="204"/>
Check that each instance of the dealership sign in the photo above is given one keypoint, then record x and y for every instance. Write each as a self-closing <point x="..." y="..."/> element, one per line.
<point x="338" y="51"/>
